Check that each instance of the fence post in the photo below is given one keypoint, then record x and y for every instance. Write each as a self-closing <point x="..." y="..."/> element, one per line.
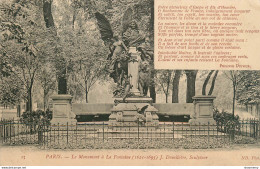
<point x="198" y="131"/>
<point x="164" y="133"/>
<point x="217" y="130"/>
<point x="258" y="128"/>
<point x="67" y="133"/>
<point x="85" y="134"/>
<point x="76" y="134"/>
<point x="34" y="132"/>
<point x="4" y="132"/>
<point x="256" y="132"/>
<point x="182" y="130"/>
<point x="39" y="134"/>
<point x="112" y="134"/>
<point x="190" y="132"/>
<point x="10" y="132"/>
<point x="50" y="134"/>
<point x="58" y="133"/>
<point x="94" y="132"/>
<point x="208" y="134"/>
<point x="19" y="131"/>
<point x="173" y="131"/>
<point x="250" y="125"/>
<point x="254" y="128"/>
<point x="246" y="127"/>
<point x="242" y="128"/>
<point x="147" y="131"/>
<point x="44" y="131"/>
<point x="14" y="132"/>
<point x="103" y="132"/>
<point x="138" y="132"/>
<point x="47" y="134"/>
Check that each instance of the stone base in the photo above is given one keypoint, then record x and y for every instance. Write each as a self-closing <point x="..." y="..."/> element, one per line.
<point x="202" y="121"/>
<point x="203" y="111"/>
<point x="62" y="110"/>
<point x="125" y="112"/>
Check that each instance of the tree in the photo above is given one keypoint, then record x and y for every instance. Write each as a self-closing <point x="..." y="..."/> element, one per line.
<point x="25" y="65"/>
<point x="175" y="86"/>
<point x="60" y="63"/>
<point x="10" y="94"/>
<point x="47" y="81"/>
<point x="164" y="79"/>
<point x="233" y="75"/>
<point x="83" y="50"/>
<point x="191" y="84"/>
<point x="248" y="90"/>
<point x="21" y="39"/>
<point x="207" y="81"/>
<point x="88" y="73"/>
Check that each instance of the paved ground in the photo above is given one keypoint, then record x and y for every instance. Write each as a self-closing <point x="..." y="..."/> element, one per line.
<point x="244" y="155"/>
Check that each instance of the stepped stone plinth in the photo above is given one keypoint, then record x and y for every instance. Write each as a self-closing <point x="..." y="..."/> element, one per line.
<point x="127" y="112"/>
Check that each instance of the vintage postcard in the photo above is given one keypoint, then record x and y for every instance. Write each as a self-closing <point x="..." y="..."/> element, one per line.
<point x="129" y="83"/>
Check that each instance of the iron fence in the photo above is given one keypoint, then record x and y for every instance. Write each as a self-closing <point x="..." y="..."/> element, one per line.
<point x="126" y="135"/>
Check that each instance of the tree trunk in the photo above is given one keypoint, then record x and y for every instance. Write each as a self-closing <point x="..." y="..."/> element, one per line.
<point x="166" y="98"/>
<point x="47" y="14"/>
<point x="44" y="100"/>
<point x="152" y="17"/>
<point x="175" y="86"/>
<point x="233" y="111"/>
<point x="29" y="100"/>
<point x="49" y="22"/>
<point x="206" y="82"/>
<point x="191" y="81"/>
<point x="86" y="93"/>
<point x="152" y="87"/>
<point x="234" y="99"/>
<point x="213" y="83"/>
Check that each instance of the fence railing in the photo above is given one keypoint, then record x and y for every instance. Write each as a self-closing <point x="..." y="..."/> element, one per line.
<point x="127" y="135"/>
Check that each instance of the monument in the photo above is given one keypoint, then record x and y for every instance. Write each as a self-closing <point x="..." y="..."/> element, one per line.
<point x="133" y="107"/>
<point x="203" y="111"/>
<point x="62" y="110"/>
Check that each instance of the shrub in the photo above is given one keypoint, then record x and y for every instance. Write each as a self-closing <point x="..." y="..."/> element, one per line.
<point x="37" y="117"/>
<point x="225" y="121"/>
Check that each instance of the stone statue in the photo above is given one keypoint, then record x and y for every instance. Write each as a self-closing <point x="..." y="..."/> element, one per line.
<point x="146" y="50"/>
<point x="120" y="57"/>
<point x="132" y="36"/>
<point x="147" y="55"/>
<point x="144" y="78"/>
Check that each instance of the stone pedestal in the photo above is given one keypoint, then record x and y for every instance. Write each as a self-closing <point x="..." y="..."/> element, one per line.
<point x="203" y="111"/>
<point x="126" y="113"/>
<point x="133" y="70"/>
<point x="62" y="110"/>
